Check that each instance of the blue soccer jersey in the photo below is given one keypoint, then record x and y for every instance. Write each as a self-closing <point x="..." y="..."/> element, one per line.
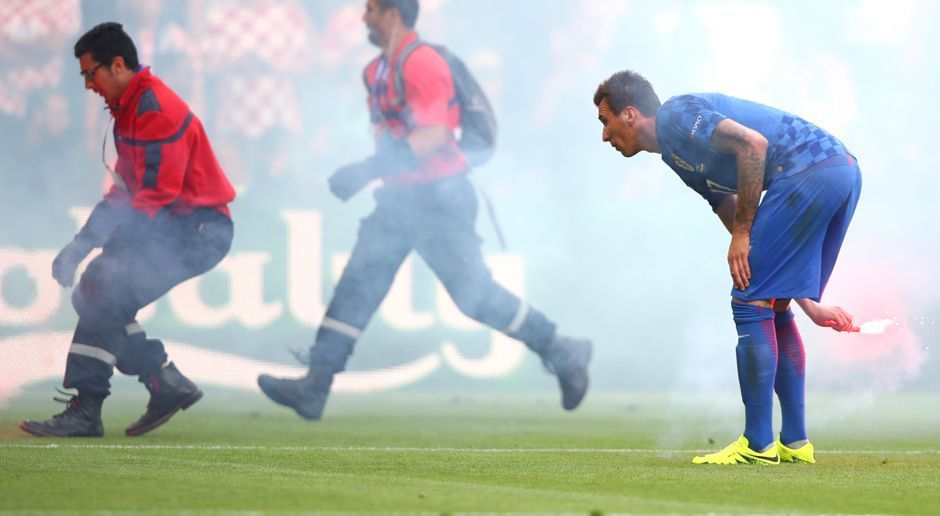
<point x="684" y="128"/>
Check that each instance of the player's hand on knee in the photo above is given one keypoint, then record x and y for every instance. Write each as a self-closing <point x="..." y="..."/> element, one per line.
<point x="738" y="256"/>
<point x="66" y="262"/>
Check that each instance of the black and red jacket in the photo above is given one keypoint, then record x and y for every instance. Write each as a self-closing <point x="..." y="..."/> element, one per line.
<point x="164" y="155"/>
<point x="428" y="100"/>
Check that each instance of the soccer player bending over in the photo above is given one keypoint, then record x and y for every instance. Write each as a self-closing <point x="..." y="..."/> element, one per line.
<point x="784" y="248"/>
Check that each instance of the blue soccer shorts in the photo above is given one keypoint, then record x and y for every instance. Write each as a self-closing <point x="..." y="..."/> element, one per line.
<point x="799" y="229"/>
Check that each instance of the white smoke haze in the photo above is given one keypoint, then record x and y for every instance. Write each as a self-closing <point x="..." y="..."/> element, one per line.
<point x="612" y="249"/>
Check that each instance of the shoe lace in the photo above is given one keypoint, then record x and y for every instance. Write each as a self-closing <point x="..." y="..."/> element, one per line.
<point x="71" y="403"/>
<point x="548" y="367"/>
<point x="301" y="355"/>
<point x="71" y="396"/>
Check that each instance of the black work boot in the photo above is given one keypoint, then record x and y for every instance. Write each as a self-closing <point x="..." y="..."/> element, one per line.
<point x="567" y="358"/>
<point x="306" y="395"/>
<point x="81" y="418"/>
<point x="170" y="392"/>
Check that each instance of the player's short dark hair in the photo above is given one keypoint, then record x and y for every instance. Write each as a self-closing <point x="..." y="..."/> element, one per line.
<point x="106" y="41"/>
<point x="407" y="9"/>
<point x="628" y="88"/>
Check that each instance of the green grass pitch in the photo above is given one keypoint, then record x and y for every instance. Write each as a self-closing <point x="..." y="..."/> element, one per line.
<point x="405" y="453"/>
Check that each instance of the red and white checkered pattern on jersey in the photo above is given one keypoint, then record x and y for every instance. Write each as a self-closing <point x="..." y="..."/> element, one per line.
<point x="274" y="32"/>
<point x="17" y="84"/>
<point x="250" y="106"/>
<point x="24" y="21"/>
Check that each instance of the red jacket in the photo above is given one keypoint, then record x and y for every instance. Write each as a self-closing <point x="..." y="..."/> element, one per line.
<point x="164" y="156"/>
<point x="428" y="100"/>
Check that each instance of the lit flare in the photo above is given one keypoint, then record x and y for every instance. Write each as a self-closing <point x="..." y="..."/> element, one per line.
<point x="876" y="327"/>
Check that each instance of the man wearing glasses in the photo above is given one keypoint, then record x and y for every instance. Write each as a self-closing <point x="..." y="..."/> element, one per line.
<point x="164" y="221"/>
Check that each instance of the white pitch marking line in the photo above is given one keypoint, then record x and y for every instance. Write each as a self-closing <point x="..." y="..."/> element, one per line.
<point x="397" y="449"/>
<point x="160" y="512"/>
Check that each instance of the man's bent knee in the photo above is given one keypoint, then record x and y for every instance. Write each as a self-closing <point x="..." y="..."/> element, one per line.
<point x="94" y="300"/>
<point x="86" y="298"/>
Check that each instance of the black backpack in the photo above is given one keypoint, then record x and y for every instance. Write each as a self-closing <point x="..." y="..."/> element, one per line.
<point x="477" y="136"/>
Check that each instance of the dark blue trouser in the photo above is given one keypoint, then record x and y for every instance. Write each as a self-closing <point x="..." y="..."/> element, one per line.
<point x="138" y="264"/>
<point x="437" y="220"/>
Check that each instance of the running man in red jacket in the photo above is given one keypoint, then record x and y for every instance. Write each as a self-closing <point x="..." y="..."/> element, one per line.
<point x="164" y="221"/>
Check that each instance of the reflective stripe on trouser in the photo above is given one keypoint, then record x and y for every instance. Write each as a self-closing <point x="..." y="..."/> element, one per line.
<point x="89" y="365"/>
<point x="140" y="354"/>
<point x="133" y="328"/>
<point x="137" y="266"/>
<point x="521" y="313"/>
<point x="93" y="352"/>
<point x="341" y="327"/>
<point x="333" y="346"/>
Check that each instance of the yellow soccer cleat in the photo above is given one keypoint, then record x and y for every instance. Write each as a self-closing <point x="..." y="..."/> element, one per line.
<point x="738" y="452"/>
<point x="805" y="453"/>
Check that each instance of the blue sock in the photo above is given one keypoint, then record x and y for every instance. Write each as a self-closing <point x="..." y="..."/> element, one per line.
<point x="791" y="379"/>
<point x="757" y="366"/>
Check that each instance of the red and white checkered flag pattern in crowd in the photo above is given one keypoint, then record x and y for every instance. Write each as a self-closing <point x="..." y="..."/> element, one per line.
<point x="25" y="21"/>
<point x="251" y="106"/>
<point x="16" y="84"/>
<point x="28" y="25"/>
<point x="276" y="33"/>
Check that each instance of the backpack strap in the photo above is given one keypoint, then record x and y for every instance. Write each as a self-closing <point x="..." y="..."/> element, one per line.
<point x="365" y="71"/>
<point x="399" y="70"/>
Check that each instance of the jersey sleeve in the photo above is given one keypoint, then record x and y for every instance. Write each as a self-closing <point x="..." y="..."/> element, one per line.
<point x="429" y="88"/>
<point x="692" y="118"/>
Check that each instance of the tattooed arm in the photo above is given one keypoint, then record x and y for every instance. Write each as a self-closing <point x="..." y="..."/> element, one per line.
<point x="726" y="211"/>
<point x="750" y="147"/>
